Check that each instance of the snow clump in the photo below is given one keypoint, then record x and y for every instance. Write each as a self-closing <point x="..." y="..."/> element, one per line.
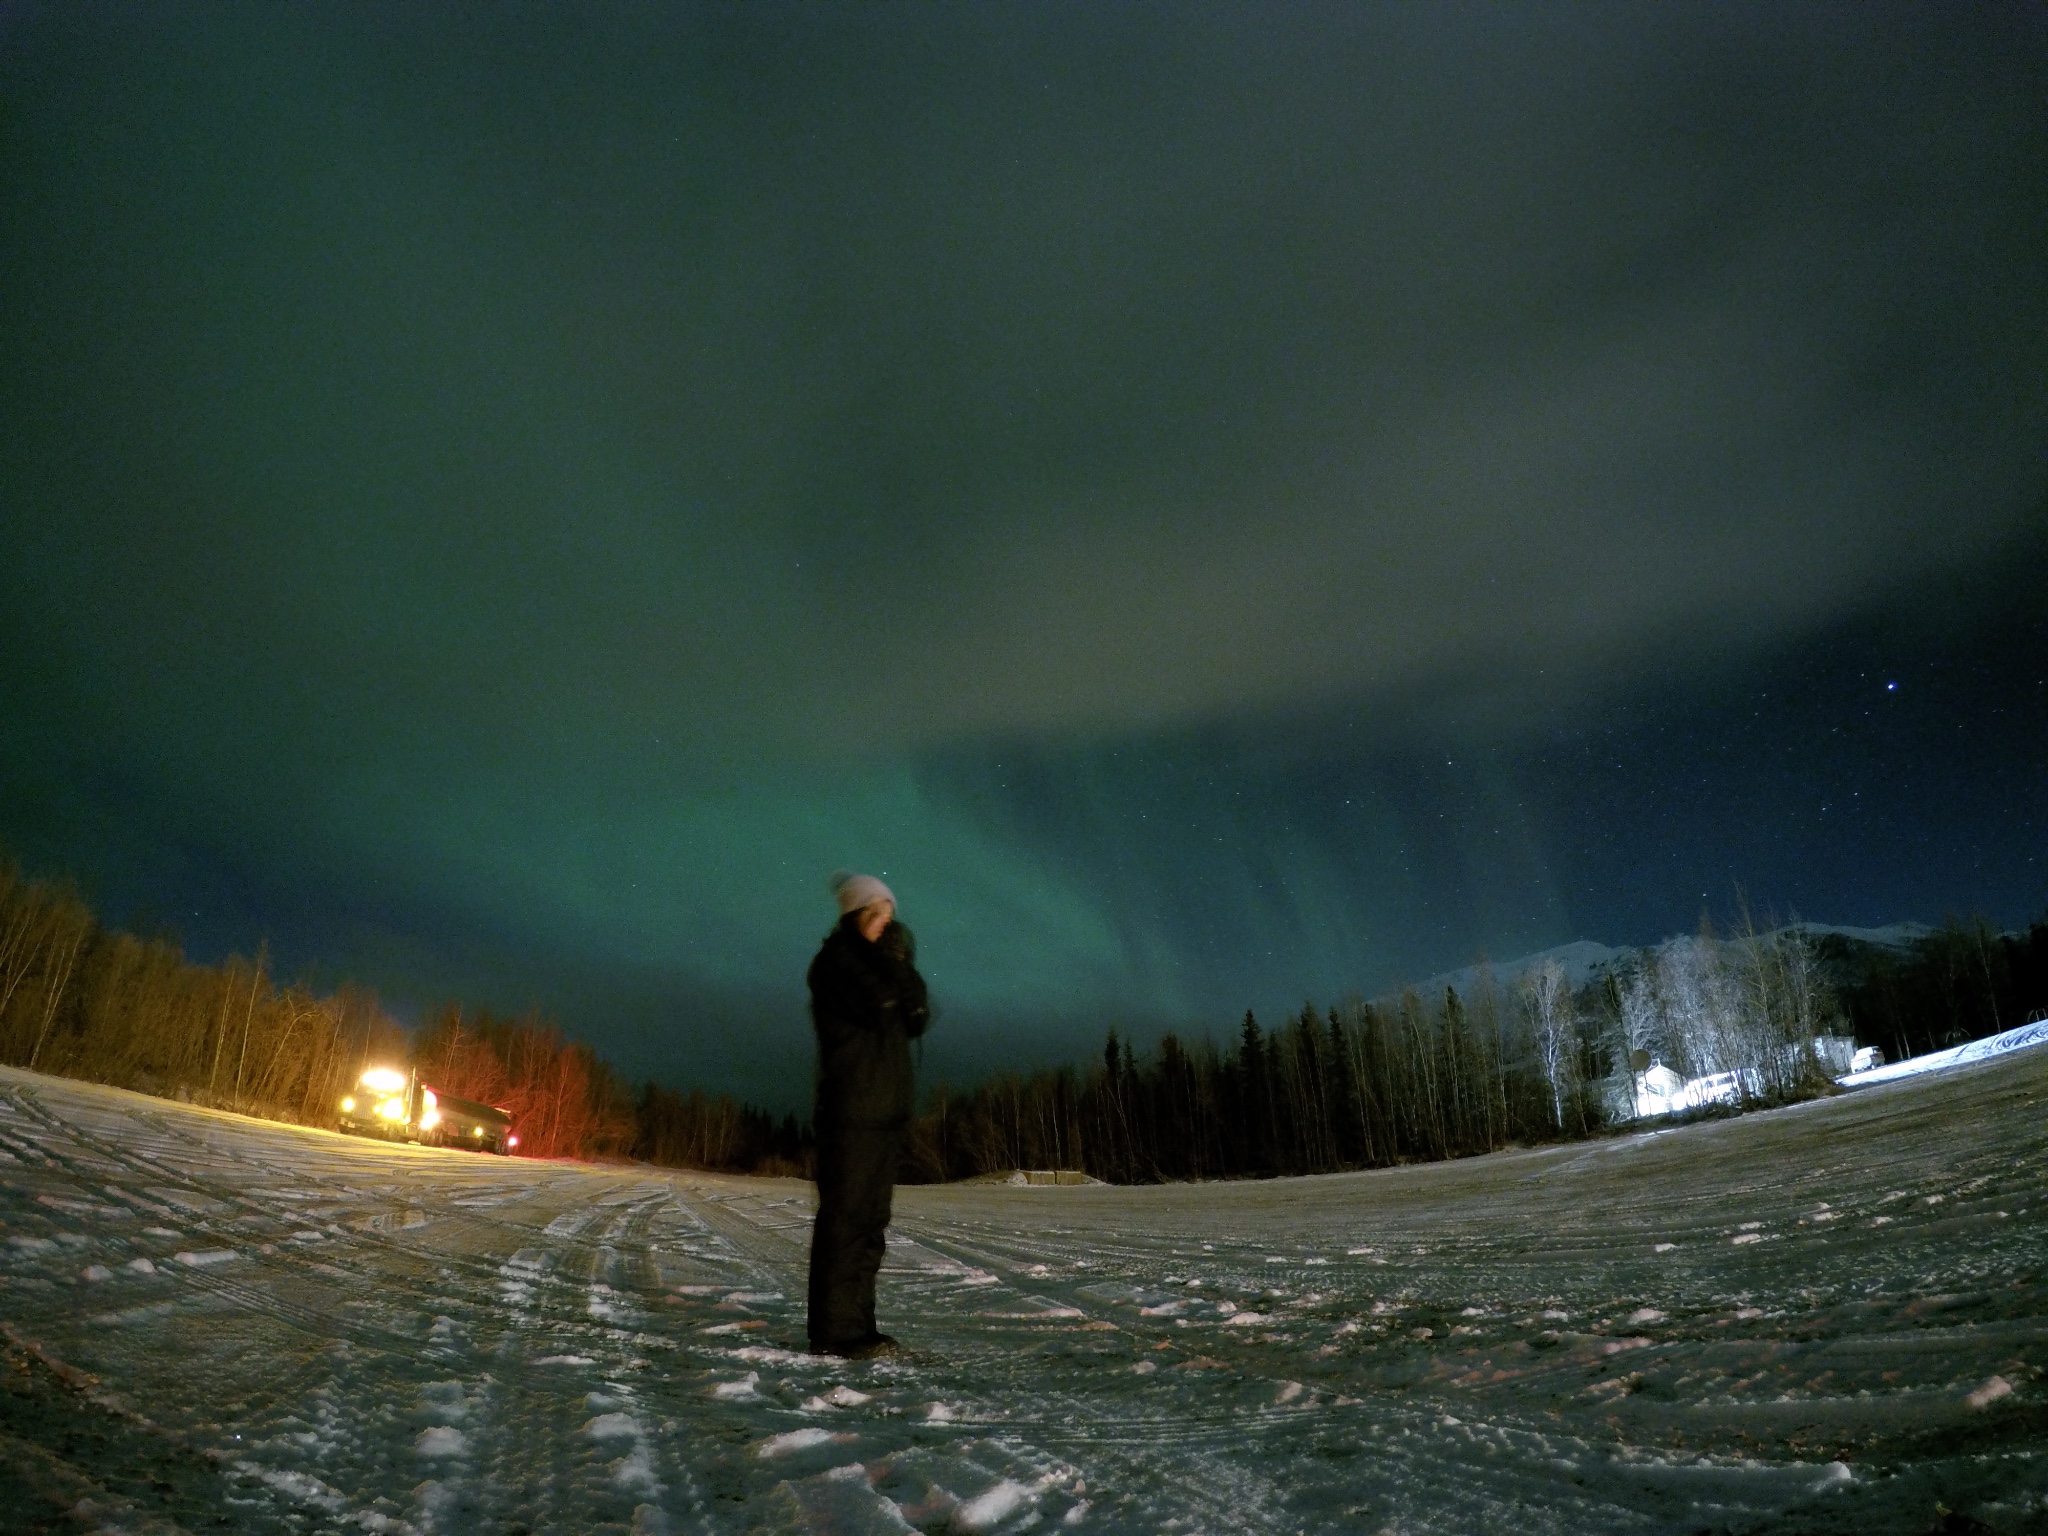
<point x="441" y="1441"/>
<point x="794" y="1440"/>
<point x="986" y="1511"/>
<point x="1989" y="1393"/>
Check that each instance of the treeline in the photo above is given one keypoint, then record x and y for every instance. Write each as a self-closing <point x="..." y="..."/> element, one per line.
<point x="86" y="1001"/>
<point x="1749" y="1009"/>
<point x="82" y="1000"/>
<point x="1407" y="1078"/>
<point x="1361" y="1084"/>
<point x="1960" y="983"/>
<point x="705" y="1130"/>
<point x="563" y="1099"/>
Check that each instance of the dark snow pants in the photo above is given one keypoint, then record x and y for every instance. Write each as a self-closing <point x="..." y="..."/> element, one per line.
<point x="856" y="1180"/>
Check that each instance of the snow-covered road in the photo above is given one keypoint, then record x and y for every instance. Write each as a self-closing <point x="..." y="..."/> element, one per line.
<point x="1830" y="1318"/>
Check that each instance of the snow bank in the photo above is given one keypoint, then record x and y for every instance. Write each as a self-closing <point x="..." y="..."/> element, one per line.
<point x="2020" y="1039"/>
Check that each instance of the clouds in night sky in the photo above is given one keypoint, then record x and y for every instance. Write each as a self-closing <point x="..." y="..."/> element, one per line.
<point x="505" y="500"/>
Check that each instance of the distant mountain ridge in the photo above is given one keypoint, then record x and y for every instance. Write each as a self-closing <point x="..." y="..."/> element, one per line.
<point x="1583" y="958"/>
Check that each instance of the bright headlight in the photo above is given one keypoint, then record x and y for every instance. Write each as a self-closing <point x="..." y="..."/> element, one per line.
<point x="348" y="1106"/>
<point x="391" y="1109"/>
<point x="430" y="1119"/>
<point x="383" y="1079"/>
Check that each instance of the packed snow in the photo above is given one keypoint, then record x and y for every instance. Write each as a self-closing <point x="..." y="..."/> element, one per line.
<point x="2026" y="1037"/>
<point x="1827" y="1318"/>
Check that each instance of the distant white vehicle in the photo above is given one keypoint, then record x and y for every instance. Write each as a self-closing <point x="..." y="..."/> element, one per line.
<point x="1866" y="1058"/>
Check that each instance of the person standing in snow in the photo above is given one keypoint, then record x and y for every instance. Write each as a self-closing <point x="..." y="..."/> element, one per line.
<point x="867" y="1004"/>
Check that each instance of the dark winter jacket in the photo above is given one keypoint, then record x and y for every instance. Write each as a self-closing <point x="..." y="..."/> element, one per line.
<point x="867" y="1003"/>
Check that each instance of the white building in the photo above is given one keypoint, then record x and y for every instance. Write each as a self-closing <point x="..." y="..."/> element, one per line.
<point x="1657" y="1090"/>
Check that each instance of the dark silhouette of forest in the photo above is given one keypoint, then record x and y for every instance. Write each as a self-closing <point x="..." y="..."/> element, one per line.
<point x="84" y="1000"/>
<point x="1961" y="982"/>
<point x="1535" y="1058"/>
<point x="1538" y="1056"/>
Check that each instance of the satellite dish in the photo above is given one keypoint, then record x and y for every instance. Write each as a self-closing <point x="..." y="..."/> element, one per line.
<point x="1639" y="1061"/>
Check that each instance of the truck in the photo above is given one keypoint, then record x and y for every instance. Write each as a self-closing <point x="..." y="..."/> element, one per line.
<point x="396" y="1105"/>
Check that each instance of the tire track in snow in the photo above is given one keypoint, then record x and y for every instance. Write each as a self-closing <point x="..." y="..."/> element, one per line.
<point x="447" y="1493"/>
<point x="309" y="1318"/>
<point x="1478" y="1486"/>
<point x="1456" y="1369"/>
<point x="604" y="1455"/>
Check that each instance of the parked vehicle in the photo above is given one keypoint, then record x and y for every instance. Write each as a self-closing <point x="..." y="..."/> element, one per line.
<point x="466" y="1123"/>
<point x="397" y="1106"/>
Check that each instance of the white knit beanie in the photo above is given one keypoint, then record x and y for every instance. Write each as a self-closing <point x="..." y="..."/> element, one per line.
<point x="857" y="891"/>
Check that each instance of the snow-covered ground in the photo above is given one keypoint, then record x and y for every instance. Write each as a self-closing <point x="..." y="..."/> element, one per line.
<point x="1660" y="1091"/>
<point x="1829" y="1318"/>
<point x="2024" y="1038"/>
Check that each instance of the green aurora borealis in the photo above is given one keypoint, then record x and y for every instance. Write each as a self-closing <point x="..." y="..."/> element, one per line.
<point x="1220" y="505"/>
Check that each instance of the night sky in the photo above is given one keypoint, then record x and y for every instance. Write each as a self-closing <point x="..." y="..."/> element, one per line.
<point x="1218" y="506"/>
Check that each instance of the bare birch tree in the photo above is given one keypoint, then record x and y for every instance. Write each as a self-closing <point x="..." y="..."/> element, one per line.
<point x="1549" y="1001"/>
